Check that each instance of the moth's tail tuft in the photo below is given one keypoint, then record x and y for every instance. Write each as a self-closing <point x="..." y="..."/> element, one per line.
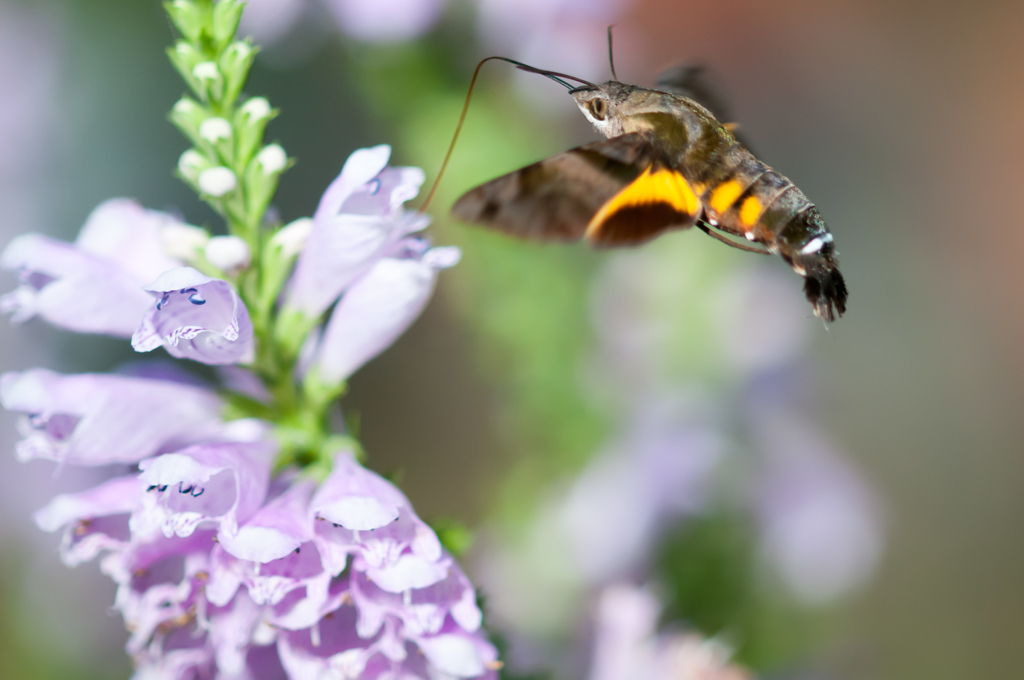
<point x="826" y="291"/>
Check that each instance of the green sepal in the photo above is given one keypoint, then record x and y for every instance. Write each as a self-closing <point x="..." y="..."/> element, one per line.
<point x="250" y="123"/>
<point x="291" y="329"/>
<point x="207" y="81"/>
<point x="187" y="115"/>
<point x="319" y="393"/>
<point x="185" y="58"/>
<point x="261" y="181"/>
<point x="275" y="265"/>
<point x="190" y="165"/>
<point x="455" y="536"/>
<point x="189" y="18"/>
<point x="226" y="15"/>
<point x="235" y="63"/>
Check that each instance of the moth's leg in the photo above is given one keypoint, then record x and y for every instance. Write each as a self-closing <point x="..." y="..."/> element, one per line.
<point x="729" y="242"/>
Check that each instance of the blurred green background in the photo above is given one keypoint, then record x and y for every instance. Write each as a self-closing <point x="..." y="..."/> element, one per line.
<point x="901" y="120"/>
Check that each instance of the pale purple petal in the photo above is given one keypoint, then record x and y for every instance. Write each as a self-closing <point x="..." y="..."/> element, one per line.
<point x="363" y="513"/>
<point x="71" y="289"/>
<point x="196" y="317"/>
<point x="122" y="231"/>
<point x="459" y="653"/>
<point x="359" y="220"/>
<point x="162" y="586"/>
<point x="302" y="608"/>
<point x="181" y="653"/>
<point x="407" y="572"/>
<point x="330" y="650"/>
<point x="93" y="285"/>
<point x="421" y="610"/>
<point x="277" y="529"/>
<point x="375" y="311"/>
<point x="95" y="419"/>
<point x="270" y="582"/>
<point x="213" y="484"/>
<point x="93" y="521"/>
<point x="231" y="631"/>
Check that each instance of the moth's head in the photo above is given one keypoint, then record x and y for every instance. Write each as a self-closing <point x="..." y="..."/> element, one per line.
<point x="607" y="106"/>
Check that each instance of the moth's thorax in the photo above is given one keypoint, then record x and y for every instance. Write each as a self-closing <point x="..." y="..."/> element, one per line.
<point x="627" y="108"/>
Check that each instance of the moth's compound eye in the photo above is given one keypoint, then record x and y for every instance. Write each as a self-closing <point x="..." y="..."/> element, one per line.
<point x="598" y="108"/>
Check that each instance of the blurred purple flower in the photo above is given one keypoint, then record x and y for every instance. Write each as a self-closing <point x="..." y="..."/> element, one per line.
<point x="385" y="20"/>
<point x="382" y="21"/>
<point x="196" y="317"/>
<point x="661" y="469"/>
<point x="627" y="645"/>
<point x="821" y="527"/>
<point x="95" y="284"/>
<point x="96" y="419"/>
<point x="359" y="220"/>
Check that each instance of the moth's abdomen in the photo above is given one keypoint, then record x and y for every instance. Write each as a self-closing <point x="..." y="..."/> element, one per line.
<point x="757" y="203"/>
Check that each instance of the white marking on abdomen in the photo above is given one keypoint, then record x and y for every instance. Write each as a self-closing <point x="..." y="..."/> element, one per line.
<point x="816" y="244"/>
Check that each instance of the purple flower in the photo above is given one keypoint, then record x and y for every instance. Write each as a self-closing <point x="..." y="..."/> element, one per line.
<point x="820" y="524"/>
<point x="96" y="419"/>
<point x="363" y="514"/>
<point x="95" y="284"/>
<point x="93" y="521"/>
<point x="196" y="317"/>
<point x="376" y="310"/>
<point x="627" y="646"/>
<point x="359" y="220"/>
<point x="217" y="484"/>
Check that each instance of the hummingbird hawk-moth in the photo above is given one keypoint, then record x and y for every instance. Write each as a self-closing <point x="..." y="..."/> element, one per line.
<point x="667" y="163"/>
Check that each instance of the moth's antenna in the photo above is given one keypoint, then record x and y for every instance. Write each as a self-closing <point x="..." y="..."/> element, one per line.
<point x="553" y="75"/>
<point x="611" y="53"/>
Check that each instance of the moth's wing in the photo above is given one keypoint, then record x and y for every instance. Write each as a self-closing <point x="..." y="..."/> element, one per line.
<point x="693" y="82"/>
<point x="554" y="200"/>
<point x="660" y="198"/>
<point x="613" y="192"/>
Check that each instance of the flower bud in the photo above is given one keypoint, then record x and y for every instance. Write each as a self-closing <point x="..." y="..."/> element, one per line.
<point x="216" y="133"/>
<point x="208" y="81"/>
<point x="250" y="123"/>
<point x="217" y="181"/>
<point x="235" y="64"/>
<point x="261" y="177"/>
<point x="192" y="164"/>
<point x="187" y="17"/>
<point x="185" y="58"/>
<point x="188" y="115"/>
<point x="292" y="237"/>
<point x="272" y="159"/>
<point x="226" y="15"/>
<point x="182" y="241"/>
<point x="227" y="253"/>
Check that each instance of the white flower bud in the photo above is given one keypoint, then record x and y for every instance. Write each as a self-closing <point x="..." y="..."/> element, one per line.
<point x="217" y="181"/>
<point x="185" y="107"/>
<point x="182" y="241"/>
<point x="227" y="253"/>
<point x="191" y="164"/>
<point x="272" y="159"/>
<point x="291" y="238"/>
<point x="215" y="129"/>
<point x="256" y="108"/>
<point x="206" y="70"/>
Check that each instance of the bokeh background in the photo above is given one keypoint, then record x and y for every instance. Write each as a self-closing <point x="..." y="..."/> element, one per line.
<point x="541" y="378"/>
